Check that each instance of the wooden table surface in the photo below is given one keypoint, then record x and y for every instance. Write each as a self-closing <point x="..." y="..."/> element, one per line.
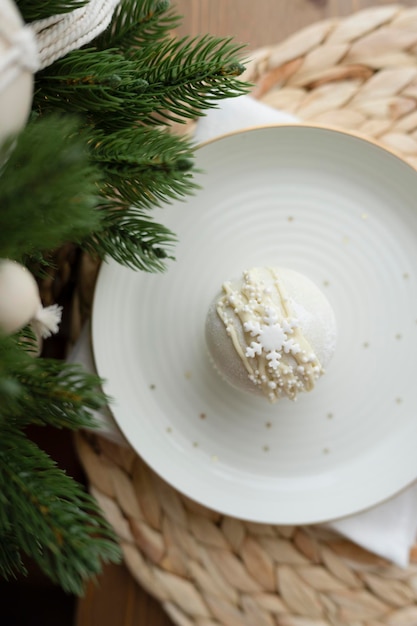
<point x="117" y="600"/>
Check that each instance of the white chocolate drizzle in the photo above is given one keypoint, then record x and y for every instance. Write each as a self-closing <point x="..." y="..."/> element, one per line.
<point x="267" y="337"/>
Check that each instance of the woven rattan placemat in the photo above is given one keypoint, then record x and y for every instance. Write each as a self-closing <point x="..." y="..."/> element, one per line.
<point x="357" y="73"/>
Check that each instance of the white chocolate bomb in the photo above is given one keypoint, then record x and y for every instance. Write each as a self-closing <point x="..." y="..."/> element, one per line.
<point x="271" y="332"/>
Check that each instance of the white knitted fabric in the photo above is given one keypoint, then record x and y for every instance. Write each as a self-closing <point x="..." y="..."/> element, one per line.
<point x="60" y="34"/>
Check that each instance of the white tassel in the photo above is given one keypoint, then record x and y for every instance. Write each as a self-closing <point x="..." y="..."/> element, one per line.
<point x="46" y="320"/>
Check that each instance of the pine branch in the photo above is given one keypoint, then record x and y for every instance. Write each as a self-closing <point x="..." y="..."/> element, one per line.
<point x="133" y="240"/>
<point x="137" y="23"/>
<point x="48" y="189"/>
<point x="168" y="80"/>
<point x="187" y="76"/>
<point x="32" y="10"/>
<point x="12" y="358"/>
<point x="96" y="83"/>
<point x="49" y="517"/>
<point x="10" y="559"/>
<point x="143" y="166"/>
<point x="59" y="394"/>
<point x="45" y="391"/>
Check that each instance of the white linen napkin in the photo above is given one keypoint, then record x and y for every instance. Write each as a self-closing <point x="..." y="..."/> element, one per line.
<point x="388" y="529"/>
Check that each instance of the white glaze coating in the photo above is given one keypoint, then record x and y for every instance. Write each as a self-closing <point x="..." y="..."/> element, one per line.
<point x="271" y="332"/>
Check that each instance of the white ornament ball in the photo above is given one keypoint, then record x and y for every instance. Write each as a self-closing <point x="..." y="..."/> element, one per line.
<point x="19" y="296"/>
<point x="18" y="60"/>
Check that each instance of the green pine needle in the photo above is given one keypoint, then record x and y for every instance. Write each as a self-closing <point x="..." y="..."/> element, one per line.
<point x="45" y="391"/>
<point x="144" y="166"/>
<point x="136" y="23"/>
<point x="12" y="358"/>
<point x="48" y="516"/>
<point x="133" y="240"/>
<point x="165" y="81"/>
<point x="59" y="394"/>
<point x="90" y="81"/>
<point x="10" y="558"/>
<point x="32" y="10"/>
<point x="48" y="190"/>
<point x="187" y="76"/>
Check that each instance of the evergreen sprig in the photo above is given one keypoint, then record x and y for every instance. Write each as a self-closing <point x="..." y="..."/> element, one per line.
<point x="32" y="10"/>
<point x="187" y="76"/>
<point x="47" y="516"/>
<point x="137" y="76"/>
<point x="137" y="23"/>
<point x="154" y="83"/>
<point x="131" y="238"/>
<point x="143" y="166"/>
<point x="44" y="513"/>
<point x="12" y="358"/>
<point x="59" y="394"/>
<point x="44" y="391"/>
<point x="11" y="562"/>
<point x="48" y="190"/>
<point x="97" y="83"/>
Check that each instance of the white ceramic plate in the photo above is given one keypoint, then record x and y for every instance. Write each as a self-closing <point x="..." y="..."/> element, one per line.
<point x="344" y="212"/>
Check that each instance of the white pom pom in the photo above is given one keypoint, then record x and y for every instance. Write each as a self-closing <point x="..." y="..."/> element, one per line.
<point x="46" y="321"/>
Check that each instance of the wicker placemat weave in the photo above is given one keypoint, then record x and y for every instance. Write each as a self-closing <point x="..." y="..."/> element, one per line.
<point x="207" y="569"/>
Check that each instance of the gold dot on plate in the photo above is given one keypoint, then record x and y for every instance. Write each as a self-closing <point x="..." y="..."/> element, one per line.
<point x="268" y="424"/>
<point x="265" y="448"/>
<point x="187" y="375"/>
<point x="214" y="458"/>
<point x="398" y="336"/>
<point x="364" y="216"/>
<point x="365" y="344"/>
<point x="406" y="275"/>
<point x="202" y="416"/>
<point x="326" y="283"/>
<point x="169" y="430"/>
<point x="398" y="400"/>
<point x="195" y="444"/>
<point x="326" y="450"/>
<point x="152" y="386"/>
<point x="330" y="416"/>
<point x="290" y="218"/>
<point x="346" y="239"/>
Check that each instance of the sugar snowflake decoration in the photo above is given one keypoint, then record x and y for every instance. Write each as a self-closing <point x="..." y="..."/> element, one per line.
<point x="272" y="337"/>
<point x="277" y="355"/>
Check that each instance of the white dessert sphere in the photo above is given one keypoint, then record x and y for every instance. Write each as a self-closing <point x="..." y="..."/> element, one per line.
<point x="271" y="332"/>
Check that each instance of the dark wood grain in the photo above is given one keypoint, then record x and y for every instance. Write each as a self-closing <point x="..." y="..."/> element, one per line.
<point x="118" y="600"/>
<point x="254" y="23"/>
<point x="263" y="22"/>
